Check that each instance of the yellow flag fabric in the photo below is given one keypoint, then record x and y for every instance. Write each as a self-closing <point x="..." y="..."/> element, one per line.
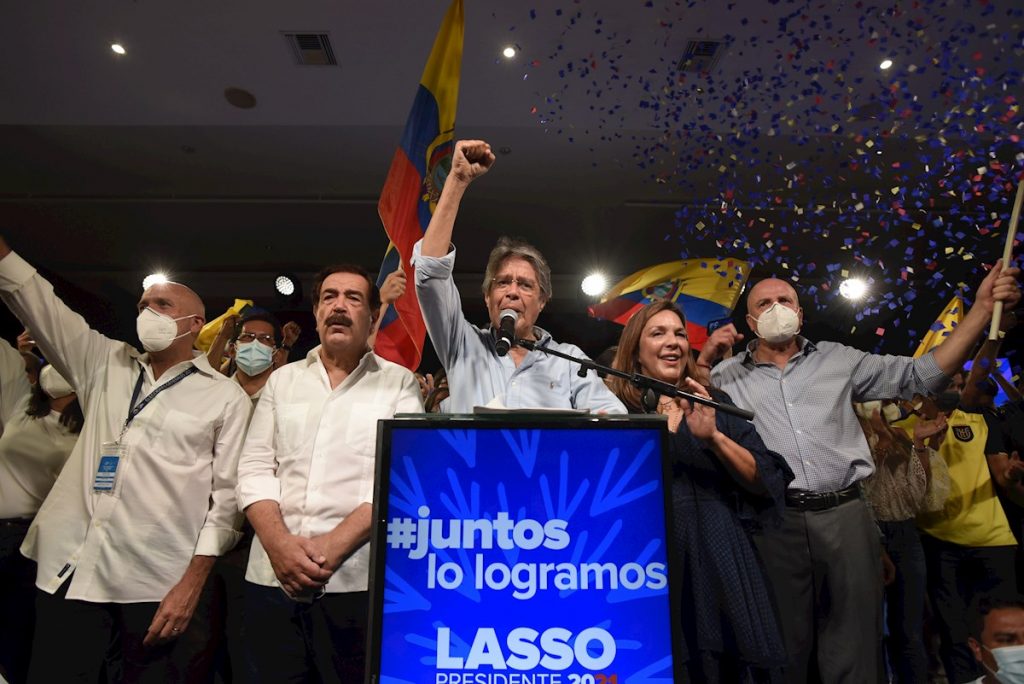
<point x="950" y="317"/>
<point x="209" y="332"/>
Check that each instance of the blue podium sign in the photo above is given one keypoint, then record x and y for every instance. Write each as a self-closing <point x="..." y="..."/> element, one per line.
<point x="521" y="550"/>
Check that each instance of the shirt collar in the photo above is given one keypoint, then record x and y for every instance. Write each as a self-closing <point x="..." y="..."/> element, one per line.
<point x="369" y="359"/>
<point x="198" y="360"/>
<point x="804" y="347"/>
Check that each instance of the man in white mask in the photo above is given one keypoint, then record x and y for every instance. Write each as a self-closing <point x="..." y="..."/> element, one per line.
<point x="997" y="640"/>
<point x="824" y="562"/>
<point x="145" y="503"/>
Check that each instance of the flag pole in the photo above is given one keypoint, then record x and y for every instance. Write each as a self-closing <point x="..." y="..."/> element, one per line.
<point x="1011" y="234"/>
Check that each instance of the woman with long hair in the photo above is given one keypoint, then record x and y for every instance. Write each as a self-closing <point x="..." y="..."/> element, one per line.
<point x="724" y="481"/>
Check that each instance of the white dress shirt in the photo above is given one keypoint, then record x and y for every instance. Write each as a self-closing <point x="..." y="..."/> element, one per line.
<point x="175" y="495"/>
<point x="313" y="451"/>
<point x="14" y="385"/>
<point x="32" y="453"/>
<point x="32" y="450"/>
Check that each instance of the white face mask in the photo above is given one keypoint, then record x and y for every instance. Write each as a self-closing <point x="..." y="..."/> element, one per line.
<point x="53" y="383"/>
<point x="777" y="323"/>
<point x="156" y="330"/>
<point x="253" y="357"/>
<point x="1010" y="660"/>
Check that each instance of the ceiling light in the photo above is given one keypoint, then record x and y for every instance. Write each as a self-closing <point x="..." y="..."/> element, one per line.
<point x="284" y="285"/>
<point x="594" y="284"/>
<point x="117" y="48"/>
<point x="853" y="288"/>
<point x="154" y="279"/>
<point x="886" y="63"/>
<point x="509" y="52"/>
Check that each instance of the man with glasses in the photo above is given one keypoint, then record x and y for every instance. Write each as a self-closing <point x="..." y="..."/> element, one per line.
<point x="517" y="278"/>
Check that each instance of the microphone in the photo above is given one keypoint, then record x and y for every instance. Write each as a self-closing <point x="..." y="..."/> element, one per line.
<point x="506" y="331"/>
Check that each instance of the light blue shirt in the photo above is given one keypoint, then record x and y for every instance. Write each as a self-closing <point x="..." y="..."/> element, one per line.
<point x="805" y="410"/>
<point x="477" y="375"/>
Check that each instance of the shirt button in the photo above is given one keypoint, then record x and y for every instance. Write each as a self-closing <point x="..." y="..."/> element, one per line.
<point x="97" y="523"/>
<point x="799" y="432"/>
<point x="807" y="463"/>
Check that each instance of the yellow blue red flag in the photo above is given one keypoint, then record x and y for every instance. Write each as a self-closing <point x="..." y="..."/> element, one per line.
<point x="418" y="171"/>
<point x="950" y="317"/>
<point x="706" y="289"/>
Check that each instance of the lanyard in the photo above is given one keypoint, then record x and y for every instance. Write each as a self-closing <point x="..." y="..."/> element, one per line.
<point x="134" y="410"/>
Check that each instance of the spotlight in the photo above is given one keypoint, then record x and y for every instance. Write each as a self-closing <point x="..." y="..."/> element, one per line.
<point x="886" y="63"/>
<point x="853" y="288"/>
<point x="594" y="284"/>
<point x="117" y="48"/>
<point x="284" y="285"/>
<point x="154" y="279"/>
<point x="288" y="289"/>
<point x="509" y="52"/>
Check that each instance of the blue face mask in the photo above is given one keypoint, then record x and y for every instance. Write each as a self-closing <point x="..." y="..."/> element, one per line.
<point x="1010" y="660"/>
<point x="253" y="357"/>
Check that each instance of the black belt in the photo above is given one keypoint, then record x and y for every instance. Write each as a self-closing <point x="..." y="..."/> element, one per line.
<point x="821" y="501"/>
<point x="15" y="522"/>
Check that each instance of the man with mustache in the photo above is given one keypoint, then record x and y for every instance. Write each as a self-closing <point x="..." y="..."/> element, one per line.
<point x="305" y="481"/>
<point x="517" y="278"/>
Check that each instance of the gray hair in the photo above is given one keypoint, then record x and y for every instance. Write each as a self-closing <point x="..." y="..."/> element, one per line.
<point x="508" y="248"/>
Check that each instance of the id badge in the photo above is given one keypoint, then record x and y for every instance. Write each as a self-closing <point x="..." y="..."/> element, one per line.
<point x="111" y="457"/>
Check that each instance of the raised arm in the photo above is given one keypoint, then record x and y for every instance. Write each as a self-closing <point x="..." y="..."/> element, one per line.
<point x="471" y="159"/>
<point x="66" y="340"/>
<point x="1000" y="285"/>
<point x="227" y="330"/>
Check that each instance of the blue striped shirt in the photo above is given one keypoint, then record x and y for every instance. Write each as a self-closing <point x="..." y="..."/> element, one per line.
<point x="805" y="412"/>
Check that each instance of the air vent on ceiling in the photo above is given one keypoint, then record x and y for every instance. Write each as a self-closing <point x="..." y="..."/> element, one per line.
<point x="311" y="48"/>
<point x="701" y="56"/>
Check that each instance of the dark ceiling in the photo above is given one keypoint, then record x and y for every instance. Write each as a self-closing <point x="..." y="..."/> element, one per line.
<point x="795" y="150"/>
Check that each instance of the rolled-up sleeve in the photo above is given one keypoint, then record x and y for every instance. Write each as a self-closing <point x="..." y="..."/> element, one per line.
<point x="220" y="532"/>
<point x="257" y="466"/>
<point x="439" y="301"/>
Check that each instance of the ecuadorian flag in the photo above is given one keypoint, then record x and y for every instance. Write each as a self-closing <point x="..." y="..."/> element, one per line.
<point x="951" y="316"/>
<point x="413" y="186"/>
<point x="706" y="289"/>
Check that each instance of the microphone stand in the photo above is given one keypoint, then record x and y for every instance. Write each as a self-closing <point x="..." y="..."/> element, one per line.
<point x="642" y="382"/>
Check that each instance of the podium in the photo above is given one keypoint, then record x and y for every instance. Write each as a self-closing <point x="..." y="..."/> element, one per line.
<point x="522" y="548"/>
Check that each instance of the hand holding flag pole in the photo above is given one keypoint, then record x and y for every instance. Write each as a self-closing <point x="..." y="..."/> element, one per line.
<point x="1011" y="234"/>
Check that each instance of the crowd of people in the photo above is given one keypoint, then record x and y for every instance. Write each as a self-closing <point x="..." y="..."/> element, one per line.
<point x="177" y="516"/>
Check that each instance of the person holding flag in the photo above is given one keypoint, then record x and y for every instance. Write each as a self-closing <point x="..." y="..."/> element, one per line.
<point x="824" y="562"/>
<point x="516" y="288"/>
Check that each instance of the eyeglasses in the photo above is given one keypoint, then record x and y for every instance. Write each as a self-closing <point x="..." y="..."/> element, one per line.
<point x="248" y="337"/>
<point x="525" y="285"/>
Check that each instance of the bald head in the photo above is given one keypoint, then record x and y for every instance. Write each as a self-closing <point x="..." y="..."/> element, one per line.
<point x="181" y="298"/>
<point x="767" y="292"/>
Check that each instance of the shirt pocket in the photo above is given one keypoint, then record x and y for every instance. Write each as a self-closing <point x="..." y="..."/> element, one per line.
<point x="183" y="437"/>
<point x="361" y="435"/>
<point x="290" y="426"/>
